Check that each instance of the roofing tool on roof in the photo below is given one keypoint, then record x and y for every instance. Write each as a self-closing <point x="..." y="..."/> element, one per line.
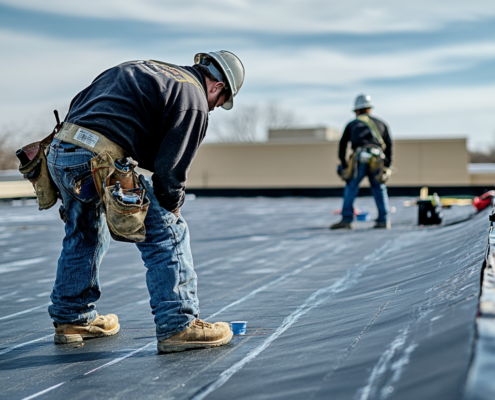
<point x="429" y="205"/>
<point x="430" y="210"/>
<point x="448" y="201"/>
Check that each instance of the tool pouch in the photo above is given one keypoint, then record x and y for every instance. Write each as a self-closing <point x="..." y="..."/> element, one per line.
<point x="37" y="173"/>
<point x="36" y="169"/>
<point x="383" y="175"/>
<point x="378" y="168"/>
<point x="125" y="221"/>
<point x="347" y="173"/>
<point x="376" y="164"/>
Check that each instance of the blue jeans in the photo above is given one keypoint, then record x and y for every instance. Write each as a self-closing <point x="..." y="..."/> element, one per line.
<point x="166" y="251"/>
<point x="379" y="191"/>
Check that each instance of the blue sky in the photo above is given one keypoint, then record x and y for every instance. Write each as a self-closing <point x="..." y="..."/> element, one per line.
<point x="429" y="65"/>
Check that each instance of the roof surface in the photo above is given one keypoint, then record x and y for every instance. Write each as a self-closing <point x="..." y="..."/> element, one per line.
<point x="362" y="314"/>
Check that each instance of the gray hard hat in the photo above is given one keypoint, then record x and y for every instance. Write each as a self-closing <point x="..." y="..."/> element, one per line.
<point x="363" y="101"/>
<point x="230" y="67"/>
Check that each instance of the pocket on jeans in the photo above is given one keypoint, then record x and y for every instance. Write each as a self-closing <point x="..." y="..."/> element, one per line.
<point x="82" y="185"/>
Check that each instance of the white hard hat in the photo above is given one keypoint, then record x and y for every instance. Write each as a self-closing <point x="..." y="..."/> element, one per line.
<point x="231" y="68"/>
<point x="363" y="101"/>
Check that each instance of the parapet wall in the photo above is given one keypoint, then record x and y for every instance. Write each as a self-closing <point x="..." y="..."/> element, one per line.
<point x="309" y="169"/>
<point x="313" y="164"/>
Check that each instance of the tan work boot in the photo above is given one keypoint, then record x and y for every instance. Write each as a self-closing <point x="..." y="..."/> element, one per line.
<point x="341" y="225"/>
<point x="200" y="335"/>
<point x="102" y="325"/>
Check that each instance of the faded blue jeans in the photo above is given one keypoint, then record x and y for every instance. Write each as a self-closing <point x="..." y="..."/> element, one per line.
<point x="378" y="190"/>
<point x="166" y="252"/>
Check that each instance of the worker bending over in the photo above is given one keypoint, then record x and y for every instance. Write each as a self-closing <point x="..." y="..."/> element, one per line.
<point x="371" y="156"/>
<point x="154" y="114"/>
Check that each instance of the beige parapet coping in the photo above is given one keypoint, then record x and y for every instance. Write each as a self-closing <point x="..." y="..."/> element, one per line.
<point x="13" y="189"/>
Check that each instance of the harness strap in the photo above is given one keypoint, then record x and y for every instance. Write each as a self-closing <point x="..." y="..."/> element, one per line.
<point x="364" y="118"/>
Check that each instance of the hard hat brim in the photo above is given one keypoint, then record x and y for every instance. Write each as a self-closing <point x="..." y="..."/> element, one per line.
<point x="229" y="103"/>
<point x="363" y="107"/>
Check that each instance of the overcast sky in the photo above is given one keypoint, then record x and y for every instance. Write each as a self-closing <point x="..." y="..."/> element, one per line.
<point x="429" y="65"/>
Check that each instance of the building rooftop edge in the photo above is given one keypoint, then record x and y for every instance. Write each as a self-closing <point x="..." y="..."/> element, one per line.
<point x="296" y="141"/>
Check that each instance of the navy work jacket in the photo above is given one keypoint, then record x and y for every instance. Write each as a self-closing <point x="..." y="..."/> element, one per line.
<point x="157" y="112"/>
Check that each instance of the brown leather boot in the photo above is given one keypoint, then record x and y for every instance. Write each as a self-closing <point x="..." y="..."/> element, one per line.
<point x="102" y="325"/>
<point x="200" y="335"/>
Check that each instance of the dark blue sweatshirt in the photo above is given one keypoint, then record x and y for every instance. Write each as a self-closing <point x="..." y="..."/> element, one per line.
<point x="157" y="112"/>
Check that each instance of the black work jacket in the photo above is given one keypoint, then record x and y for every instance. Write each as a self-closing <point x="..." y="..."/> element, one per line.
<point x="358" y="133"/>
<point x="156" y="112"/>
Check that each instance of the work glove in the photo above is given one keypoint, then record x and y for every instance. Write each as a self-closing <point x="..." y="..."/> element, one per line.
<point x="342" y="172"/>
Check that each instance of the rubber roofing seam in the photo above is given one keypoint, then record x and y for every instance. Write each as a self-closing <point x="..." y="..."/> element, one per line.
<point x="350" y="348"/>
<point x="480" y="382"/>
<point x="320" y="296"/>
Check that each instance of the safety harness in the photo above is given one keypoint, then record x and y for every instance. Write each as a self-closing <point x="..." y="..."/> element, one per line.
<point x="373" y="156"/>
<point x="365" y="119"/>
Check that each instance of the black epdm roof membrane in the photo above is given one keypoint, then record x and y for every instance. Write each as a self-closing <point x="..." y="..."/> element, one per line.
<point x="362" y="314"/>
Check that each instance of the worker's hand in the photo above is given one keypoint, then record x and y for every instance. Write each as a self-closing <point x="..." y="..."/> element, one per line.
<point x="342" y="172"/>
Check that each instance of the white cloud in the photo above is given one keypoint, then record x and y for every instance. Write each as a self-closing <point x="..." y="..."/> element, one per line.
<point x="327" y="67"/>
<point x="41" y="73"/>
<point x="295" y="16"/>
<point x="411" y="112"/>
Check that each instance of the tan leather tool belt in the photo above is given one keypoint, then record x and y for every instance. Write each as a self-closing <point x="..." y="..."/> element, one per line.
<point x="125" y="221"/>
<point x="89" y="139"/>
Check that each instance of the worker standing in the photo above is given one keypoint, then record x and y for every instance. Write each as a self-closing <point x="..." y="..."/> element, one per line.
<point x="154" y="114"/>
<point x="371" y="156"/>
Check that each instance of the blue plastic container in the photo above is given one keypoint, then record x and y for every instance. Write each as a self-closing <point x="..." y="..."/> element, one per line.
<point x="239" y="327"/>
<point x="364" y="216"/>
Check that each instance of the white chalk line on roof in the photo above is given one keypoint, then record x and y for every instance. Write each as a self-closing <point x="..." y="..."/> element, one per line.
<point x="20" y="264"/>
<point x="9" y="349"/>
<point x="245" y="298"/>
<point x="316" y="299"/>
